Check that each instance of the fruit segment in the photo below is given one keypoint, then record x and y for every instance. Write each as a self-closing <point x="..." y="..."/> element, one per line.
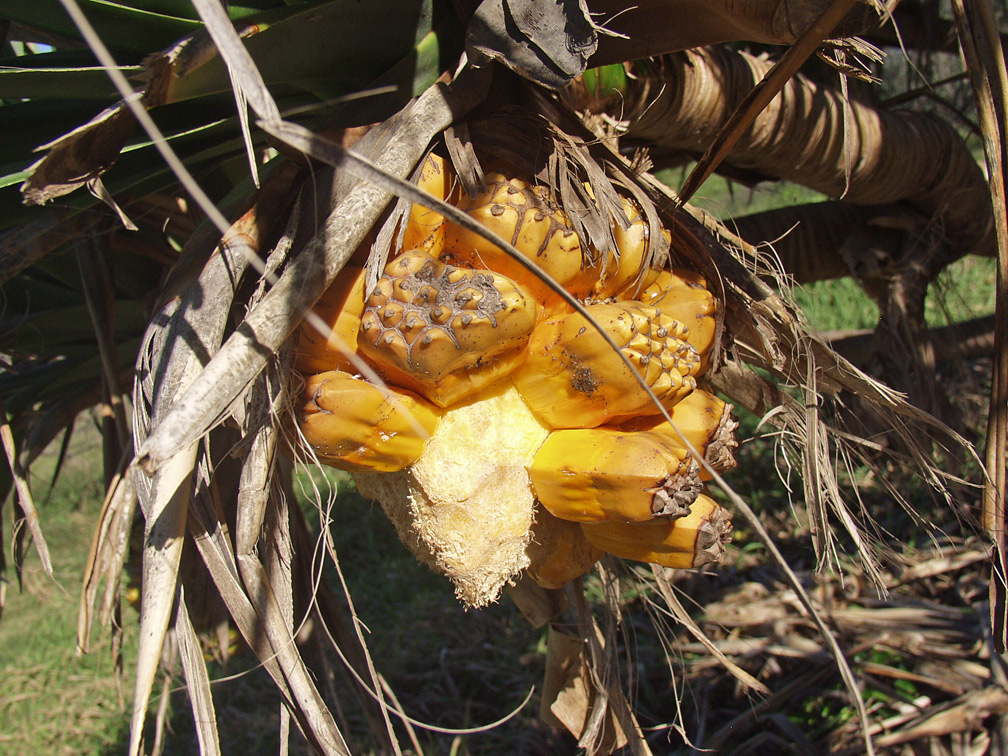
<point x="705" y="421"/>
<point x="354" y="425"/>
<point x="558" y="551"/>
<point x="425" y="227"/>
<point x="528" y="217"/>
<point x="683" y="295"/>
<point x="697" y="539"/>
<point x="340" y="308"/>
<point x="573" y="379"/>
<point x="594" y="474"/>
<point x="434" y="327"/>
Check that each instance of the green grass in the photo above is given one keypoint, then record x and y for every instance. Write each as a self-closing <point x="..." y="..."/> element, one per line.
<point x="834" y="305"/>
<point x="51" y="700"/>
<point x="965" y="290"/>
<point x="724" y="198"/>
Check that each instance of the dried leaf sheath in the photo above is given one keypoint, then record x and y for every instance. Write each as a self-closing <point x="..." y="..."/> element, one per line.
<point x="703" y="86"/>
<point x="178" y="342"/>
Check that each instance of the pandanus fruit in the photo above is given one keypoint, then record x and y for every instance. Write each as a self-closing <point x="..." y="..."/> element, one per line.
<point x="508" y="435"/>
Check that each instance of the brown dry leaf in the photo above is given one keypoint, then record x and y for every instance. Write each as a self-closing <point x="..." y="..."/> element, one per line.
<point x="26" y="515"/>
<point x="109" y="546"/>
<point x="26" y="244"/>
<point x="965" y="715"/>
<point x="80" y="156"/>
<point x="201" y="316"/>
<point x="548" y="43"/>
<point x="84" y="154"/>
<point x="537" y="604"/>
<point x="978" y="36"/>
<point x="680" y="613"/>
<point x="569" y="693"/>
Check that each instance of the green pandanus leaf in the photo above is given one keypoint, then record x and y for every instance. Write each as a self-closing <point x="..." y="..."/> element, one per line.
<point x="375" y="69"/>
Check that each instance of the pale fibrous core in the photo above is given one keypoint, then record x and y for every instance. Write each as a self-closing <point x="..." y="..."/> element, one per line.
<point x="466" y="502"/>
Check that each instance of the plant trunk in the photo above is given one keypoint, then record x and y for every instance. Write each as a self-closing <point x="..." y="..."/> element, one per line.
<point x="819" y="241"/>
<point x="655" y="27"/>
<point x="867" y="155"/>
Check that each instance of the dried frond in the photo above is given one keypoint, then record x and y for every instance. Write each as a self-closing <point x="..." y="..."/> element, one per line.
<point x="978" y="35"/>
<point x="26" y="517"/>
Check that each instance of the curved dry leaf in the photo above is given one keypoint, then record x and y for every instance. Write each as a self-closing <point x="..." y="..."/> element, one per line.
<point x="980" y="40"/>
<point x="24" y="245"/>
<point x="197" y="681"/>
<point x="680" y="613"/>
<point x="171" y="491"/>
<point x="28" y="516"/>
<point x="243" y="71"/>
<point x="180" y="339"/>
<point x="108" y="551"/>
<point x="548" y="43"/>
<point x="80" y="156"/>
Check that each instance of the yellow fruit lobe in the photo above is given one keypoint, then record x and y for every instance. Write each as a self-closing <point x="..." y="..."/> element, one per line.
<point x="593" y="474"/>
<point x="425" y="227"/>
<point x="354" y="425"/>
<point x="528" y="217"/>
<point x="628" y="269"/>
<point x="683" y="295"/>
<point x="340" y="307"/>
<point x="444" y="331"/>
<point x="466" y="506"/>
<point x="704" y="420"/>
<point x="691" y="541"/>
<point x="572" y="378"/>
<point x="558" y="551"/>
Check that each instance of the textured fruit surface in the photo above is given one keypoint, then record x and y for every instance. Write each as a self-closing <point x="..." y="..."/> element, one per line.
<point x="354" y="425"/>
<point x="426" y="321"/>
<point x="466" y="506"/>
<point x="594" y="474"/>
<point x="691" y="541"/>
<point x="572" y="378"/>
<point x="526" y="216"/>
<point x="702" y="419"/>
<point x="683" y="295"/>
